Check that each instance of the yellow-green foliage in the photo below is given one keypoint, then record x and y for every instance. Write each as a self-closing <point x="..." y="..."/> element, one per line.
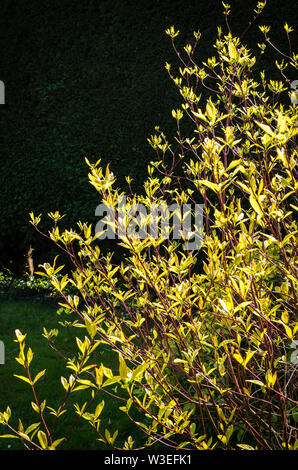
<point x="203" y="338"/>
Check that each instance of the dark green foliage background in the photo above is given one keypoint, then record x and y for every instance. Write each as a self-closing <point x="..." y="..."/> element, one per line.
<point x="87" y="79"/>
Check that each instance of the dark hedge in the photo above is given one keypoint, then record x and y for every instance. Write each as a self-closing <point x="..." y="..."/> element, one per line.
<point x="87" y="79"/>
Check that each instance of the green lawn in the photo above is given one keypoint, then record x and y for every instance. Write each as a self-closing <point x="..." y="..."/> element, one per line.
<point x="30" y="317"/>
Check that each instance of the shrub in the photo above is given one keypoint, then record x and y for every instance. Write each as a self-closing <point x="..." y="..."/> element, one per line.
<point x="26" y="286"/>
<point x="203" y="336"/>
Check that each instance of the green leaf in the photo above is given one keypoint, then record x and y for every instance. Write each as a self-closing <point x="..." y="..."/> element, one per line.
<point x="99" y="409"/>
<point x="139" y="371"/>
<point x="91" y="328"/>
<point x="183" y="444"/>
<point x="56" y="443"/>
<point x="112" y="381"/>
<point x="108" y="436"/>
<point x="214" y="187"/>
<point x="24" y="436"/>
<point x="200" y="116"/>
<point x="222" y="438"/>
<point x="21" y="377"/>
<point x="289" y="332"/>
<point x="256" y="382"/>
<point x="245" y="447"/>
<point x="20" y="336"/>
<point x="122" y="368"/>
<point x="238" y="357"/>
<point x="192" y="428"/>
<point x="29" y="356"/>
<point x="39" y="375"/>
<point x="32" y="427"/>
<point x="107" y="372"/>
<point x="229" y="432"/>
<point x="232" y="51"/>
<point x="249" y="355"/>
<point x="255" y="205"/>
<point x="35" y="407"/>
<point x="265" y="128"/>
<point x="113" y="438"/>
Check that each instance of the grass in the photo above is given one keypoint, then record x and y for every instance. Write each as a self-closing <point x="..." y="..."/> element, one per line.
<point x="30" y="316"/>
